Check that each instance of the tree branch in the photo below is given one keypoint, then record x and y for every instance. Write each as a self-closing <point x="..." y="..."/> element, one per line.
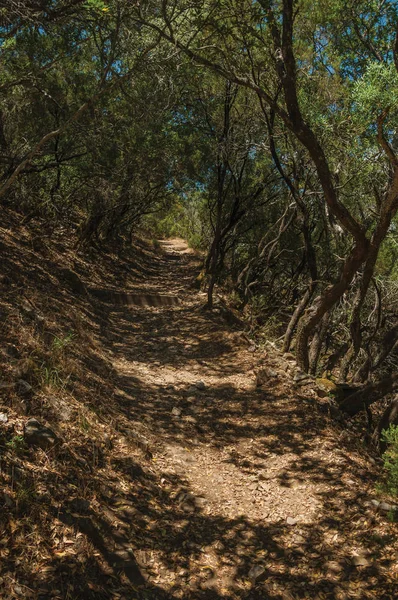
<point x="382" y="140"/>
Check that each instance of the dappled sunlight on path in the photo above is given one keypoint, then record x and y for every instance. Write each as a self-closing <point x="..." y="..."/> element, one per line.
<point x="261" y="500"/>
<point x="185" y="471"/>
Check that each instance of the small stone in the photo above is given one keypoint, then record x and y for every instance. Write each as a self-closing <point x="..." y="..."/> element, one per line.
<point x="326" y="385"/>
<point x="37" y="434"/>
<point x="299" y="539"/>
<point x="200" y="502"/>
<point x="186" y="497"/>
<point x="263" y="376"/>
<point x="256" y="572"/>
<point x="375" y="503"/>
<point x="200" y="385"/>
<point x="384" y="506"/>
<point x="360" y="561"/>
<point x="3" y="417"/>
<point x="291" y="521"/>
<point x="300" y="377"/>
<point x="176" y="412"/>
<point x="334" y="566"/>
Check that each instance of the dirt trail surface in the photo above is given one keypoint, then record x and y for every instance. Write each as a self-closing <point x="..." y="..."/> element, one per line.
<point x="262" y="499"/>
<point x="189" y="464"/>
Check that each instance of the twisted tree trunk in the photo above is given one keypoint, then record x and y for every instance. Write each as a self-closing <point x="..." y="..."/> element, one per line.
<point x="325" y="303"/>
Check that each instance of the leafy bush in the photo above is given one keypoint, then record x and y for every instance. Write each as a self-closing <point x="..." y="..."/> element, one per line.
<point x="390" y="457"/>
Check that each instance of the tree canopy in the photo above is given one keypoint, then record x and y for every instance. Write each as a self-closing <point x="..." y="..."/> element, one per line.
<point x="263" y="131"/>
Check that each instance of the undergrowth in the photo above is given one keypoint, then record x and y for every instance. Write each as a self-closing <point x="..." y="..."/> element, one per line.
<point x="390" y="458"/>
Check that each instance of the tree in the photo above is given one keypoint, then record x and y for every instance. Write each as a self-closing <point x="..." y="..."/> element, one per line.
<point x="258" y="46"/>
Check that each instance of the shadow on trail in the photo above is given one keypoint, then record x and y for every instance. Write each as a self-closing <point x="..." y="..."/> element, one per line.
<point x="140" y="534"/>
<point x="336" y="556"/>
<point x="126" y="532"/>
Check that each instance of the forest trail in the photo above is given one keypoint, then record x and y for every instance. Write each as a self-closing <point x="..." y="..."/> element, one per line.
<point x="151" y="449"/>
<point x="257" y="494"/>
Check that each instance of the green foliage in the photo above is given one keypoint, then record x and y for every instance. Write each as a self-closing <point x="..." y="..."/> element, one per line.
<point x="17" y="444"/>
<point x="390" y="458"/>
<point x="388" y="259"/>
<point x="50" y="376"/>
<point x="170" y="142"/>
<point x="185" y="218"/>
<point x="377" y="90"/>
<point x="60" y="343"/>
<point x="97" y="5"/>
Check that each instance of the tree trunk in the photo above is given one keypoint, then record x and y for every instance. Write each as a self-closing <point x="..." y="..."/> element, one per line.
<point x="362" y="373"/>
<point x="317" y="342"/>
<point x="346" y="363"/>
<point x="370" y="263"/>
<point x="369" y="394"/>
<point x="389" y="417"/>
<point x="313" y="268"/>
<point x="299" y="310"/>
<point x="210" y="291"/>
<point x="388" y="343"/>
<point x="330" y="296"/>
<point x="211" y="267"/>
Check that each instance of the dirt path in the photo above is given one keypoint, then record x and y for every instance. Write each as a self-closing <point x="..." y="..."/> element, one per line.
<point x="260" y="495"/>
